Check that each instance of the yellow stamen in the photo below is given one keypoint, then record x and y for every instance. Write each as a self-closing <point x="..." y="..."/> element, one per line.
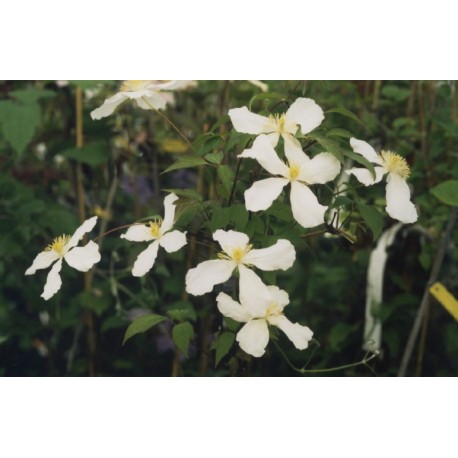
<point x="273" y="310"/>
<point x="395" y="163"/>
<point x="237" y="254"/>
<point x="294" y="171"/>
<point x="58" y="244"/>
<point x="155" y="228"/>
<point x="278" y="121"/>
<point x="133" y="85"/>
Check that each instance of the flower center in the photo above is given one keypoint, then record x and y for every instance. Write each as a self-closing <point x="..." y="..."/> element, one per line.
<point x="134" y="85"/>
<point x="58" y="244"/>
<point x="155" y="228"/>
<point x="395" y="163"/>
<point x="273" y="310"/>
<point x="237" y="254"/>
<point x="294" y="171"/>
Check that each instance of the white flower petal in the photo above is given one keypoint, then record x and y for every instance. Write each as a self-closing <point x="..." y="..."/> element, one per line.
<point x="278" y="296"/>
<point x="366" y="150"/>
<point x="261" y="195"/>
<point x="232" y="309"/>
<point x="138" y="233"/>
<point x="398" y="204"/>
<point x="365" y="177"/>
<point x="299" y="335"/>
<point x="273" y="138"/>
<point x="173" y="241"/>
<point x="279" y="256"/>
<point x="145" y="260"/>
<point x="175" y="85"/>
<point x="87" y="226"/>
<point x="247" y="122"/>
<point x="307" y="211"/>
<point x="322" y="168"/>
<point x="254" y="295"/>
<point x="306" y="113"/>
<point x="229" y="240"/>
<point x="263" y="151"/>
<point x="169" y="212"/>
<point x="254" y="337"/>
<point x="42" y="261"/>
<point x="293" y="151"/>
<point x="153" y="100"/>
<point x="207" y="274"/>
<point x="109" y="106"/>
<point x="53" y="281"/>
<point x="83" y="258"/>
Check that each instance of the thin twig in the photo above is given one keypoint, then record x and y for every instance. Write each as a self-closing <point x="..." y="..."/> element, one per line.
<point x="426" y="296"/>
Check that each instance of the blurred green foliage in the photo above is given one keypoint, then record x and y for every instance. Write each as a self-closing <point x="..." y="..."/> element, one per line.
<point x="124" y="159"/>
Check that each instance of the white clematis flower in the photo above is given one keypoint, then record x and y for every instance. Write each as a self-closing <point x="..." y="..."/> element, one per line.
<point x="303" y="112"/>
<point x="64" y="247"/>
<point x="158" y="232"/>
<point x="300" y="171"/>
<point x="237" y="252"/>
<point x="261" y="306"/>
<point x="148" y="95"/>
<point x="398" y="204"/>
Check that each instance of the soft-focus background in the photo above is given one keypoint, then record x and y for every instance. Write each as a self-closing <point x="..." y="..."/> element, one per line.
<point x="48" y="153"/>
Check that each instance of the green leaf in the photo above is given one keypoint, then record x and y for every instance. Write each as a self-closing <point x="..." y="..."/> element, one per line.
<point x="339" y="133"/>
<point x="185" y="162"/>
<point x="447" y="192"/>
<point x="281" y="211"/>
<point x="210" y="143"/>
<point x="372" y="217"/>
<point x="181" y="310"/>
<point x="362" y="160"/>
<point x="142" y="324"/>
<point x="32" y="95"/>
<point x="396" y="93"/>
<point x="235" y="215"/>
<point x="328" y="144"/>
<point x="215" y="157"/>
<point x="182" y="334"/>
<point x="341" y="201"/>
<point x="226" y="175"/>
<point x="93" y="154"/>
<point x="188" y="193"/>
<point x="19" y="123"/>
<point x="348" y="114"/>
<point x="222" y="345"/>
<point x="265" y="96"/>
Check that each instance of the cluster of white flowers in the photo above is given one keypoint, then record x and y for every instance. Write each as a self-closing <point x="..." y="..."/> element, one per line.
<point x="260" y="305"/>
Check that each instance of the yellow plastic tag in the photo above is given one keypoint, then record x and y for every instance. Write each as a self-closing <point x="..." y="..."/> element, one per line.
<point x="440" y="292"/>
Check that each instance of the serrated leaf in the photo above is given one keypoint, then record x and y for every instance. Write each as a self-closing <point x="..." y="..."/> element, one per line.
<point x="348" y="114"/>
<point x="181" y="310"/>
<point x="447" y="192"/>
<point x="186" y="162"/>
<point x="372" y="217"/>
<point x="142" y="324"/>
<point x="93" y="154"/>
<point x="19" y="123"/>
<point x="222" y="346"/>
<point x="215" y="157"/>
<point x="182" y="334"/>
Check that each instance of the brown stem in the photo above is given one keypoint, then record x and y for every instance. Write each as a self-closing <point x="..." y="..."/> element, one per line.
<point x="426" y="295"/>
<point x="88" y="317"/>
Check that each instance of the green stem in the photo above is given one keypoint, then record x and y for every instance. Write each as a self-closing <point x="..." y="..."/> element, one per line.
<point x="180" y="133"/>
<point x="364" y="362"/>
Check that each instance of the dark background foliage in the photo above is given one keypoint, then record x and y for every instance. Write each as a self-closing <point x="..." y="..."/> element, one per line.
<point x="55" y="165"/>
